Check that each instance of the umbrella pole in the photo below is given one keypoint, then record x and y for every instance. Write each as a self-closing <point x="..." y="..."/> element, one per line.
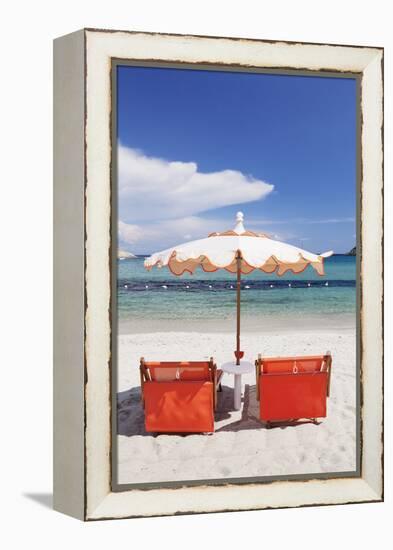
<point x="238" y="261"/>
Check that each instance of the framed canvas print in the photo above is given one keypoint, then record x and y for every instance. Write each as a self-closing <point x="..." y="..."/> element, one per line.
<point x="218" y="274"/>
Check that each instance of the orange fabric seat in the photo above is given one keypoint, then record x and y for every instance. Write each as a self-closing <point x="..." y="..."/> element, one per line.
<point x="179" y="396"/>
<point x="292" y="388"/>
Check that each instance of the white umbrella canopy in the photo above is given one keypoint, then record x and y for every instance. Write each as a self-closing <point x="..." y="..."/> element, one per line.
<point x="221" y="251"/>
<point x="237" y="251"/>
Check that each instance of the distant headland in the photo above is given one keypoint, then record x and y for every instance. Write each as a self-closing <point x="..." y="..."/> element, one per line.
<point x="124" y="255"/>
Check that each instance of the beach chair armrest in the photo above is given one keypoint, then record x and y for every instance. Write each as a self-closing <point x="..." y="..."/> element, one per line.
<point x="258" y="364"/>
<point x="217" y="375"/>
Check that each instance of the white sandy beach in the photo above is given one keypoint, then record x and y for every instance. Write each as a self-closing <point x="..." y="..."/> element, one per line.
<point x="241" y="445"/>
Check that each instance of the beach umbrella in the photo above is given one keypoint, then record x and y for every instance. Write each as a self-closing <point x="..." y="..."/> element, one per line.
<point x="237" y="251"/>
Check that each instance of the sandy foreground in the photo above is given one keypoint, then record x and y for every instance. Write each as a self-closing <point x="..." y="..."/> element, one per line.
<point x="241" y="446"/>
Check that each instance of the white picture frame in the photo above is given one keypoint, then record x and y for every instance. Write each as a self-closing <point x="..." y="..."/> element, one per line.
<point x="83" y="286"/>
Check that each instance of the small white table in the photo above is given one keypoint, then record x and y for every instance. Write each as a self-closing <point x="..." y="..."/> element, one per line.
<point x="237" y="370"/>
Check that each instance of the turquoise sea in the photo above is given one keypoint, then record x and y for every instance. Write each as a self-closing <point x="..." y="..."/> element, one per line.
<point x="159" y="295"/>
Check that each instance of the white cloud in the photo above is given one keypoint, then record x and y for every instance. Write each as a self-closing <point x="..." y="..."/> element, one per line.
<point x="332" y="220"/>
<point x="156" y="189"/>
<point x="294" y="221"/>
<point x="159" y="235"/>
<point x="129" y="233"/>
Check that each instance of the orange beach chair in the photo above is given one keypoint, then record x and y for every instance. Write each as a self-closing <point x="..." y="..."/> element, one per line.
<point x="179" y="396"/>
<point x="292" y="388"/>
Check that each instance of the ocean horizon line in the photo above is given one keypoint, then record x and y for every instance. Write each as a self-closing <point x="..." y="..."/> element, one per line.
<point x="147" y="255"/>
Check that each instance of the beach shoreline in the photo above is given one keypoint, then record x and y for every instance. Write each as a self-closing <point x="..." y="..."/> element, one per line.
<point x="254" y="324"/>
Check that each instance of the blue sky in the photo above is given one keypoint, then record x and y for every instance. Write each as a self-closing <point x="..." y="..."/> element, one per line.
<point x="197" y="146"/>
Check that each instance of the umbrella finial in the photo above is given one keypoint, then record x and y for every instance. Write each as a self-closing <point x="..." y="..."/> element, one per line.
<point x="239" y="228"/>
